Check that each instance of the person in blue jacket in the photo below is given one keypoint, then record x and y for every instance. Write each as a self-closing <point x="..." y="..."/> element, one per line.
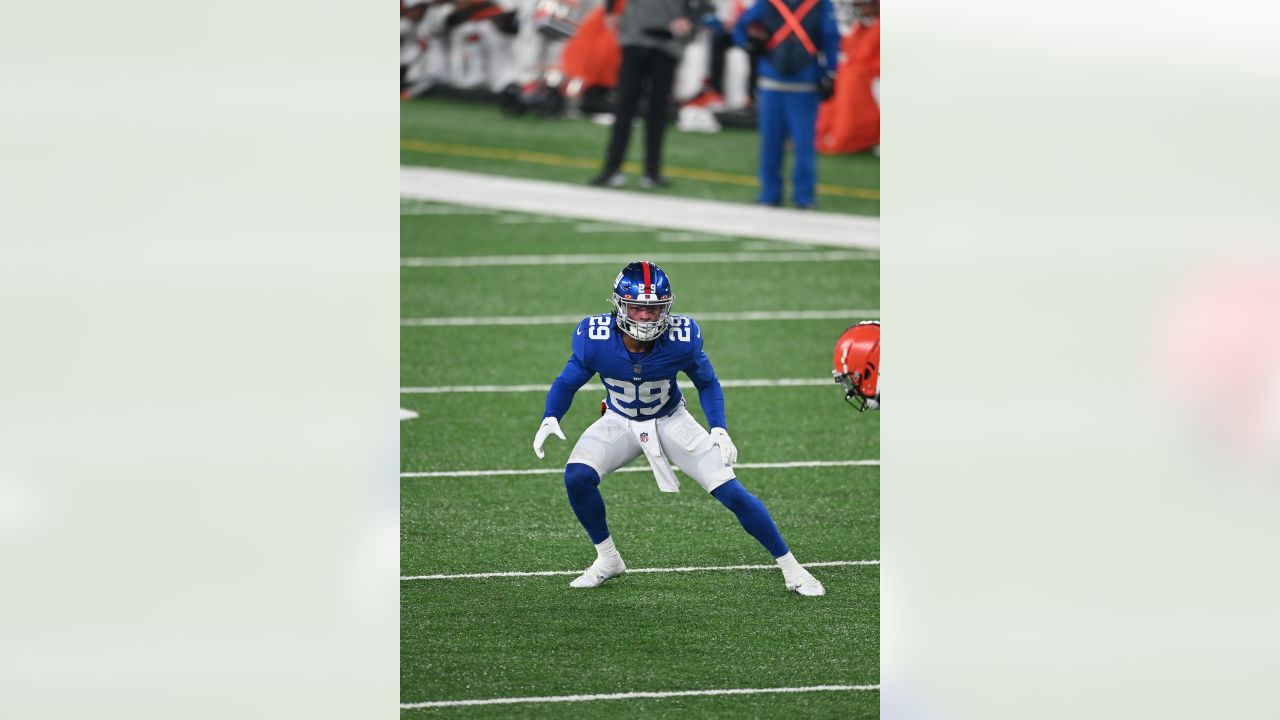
<point x="798" y="44"/>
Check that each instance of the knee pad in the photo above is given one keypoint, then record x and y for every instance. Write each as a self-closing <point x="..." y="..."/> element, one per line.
<point x="579" y="477"/>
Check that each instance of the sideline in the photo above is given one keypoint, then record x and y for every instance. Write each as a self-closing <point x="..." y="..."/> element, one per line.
<point x="642" y="209"/>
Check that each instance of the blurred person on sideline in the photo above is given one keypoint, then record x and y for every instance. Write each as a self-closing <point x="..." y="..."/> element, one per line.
<point x="652" y="34"/>
<point x="719" y="25"/>
<point x="411" y="45"/>
<point x="798" y="44"/>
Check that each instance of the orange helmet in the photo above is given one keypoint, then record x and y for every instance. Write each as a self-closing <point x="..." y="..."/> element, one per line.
<point x="857" y="363"/>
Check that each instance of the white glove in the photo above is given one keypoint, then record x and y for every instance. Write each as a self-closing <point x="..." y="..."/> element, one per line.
<point x="728" y="452"/>
<point x="874" y="403"/>
<point x="549" y="426"/>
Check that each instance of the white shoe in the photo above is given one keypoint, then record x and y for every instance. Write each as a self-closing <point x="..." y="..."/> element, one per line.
<point x="806" y="585"/>
<point x="600" y="571"/>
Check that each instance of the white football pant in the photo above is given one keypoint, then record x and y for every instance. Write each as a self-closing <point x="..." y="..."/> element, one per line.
<point x="609" y="444"/>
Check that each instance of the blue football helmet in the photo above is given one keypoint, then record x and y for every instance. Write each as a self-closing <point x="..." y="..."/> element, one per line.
<point x="642" y="283"/>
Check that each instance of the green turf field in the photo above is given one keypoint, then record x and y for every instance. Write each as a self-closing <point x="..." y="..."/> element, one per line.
<point x="477" y="137"/>
<point x="533" y="636"/>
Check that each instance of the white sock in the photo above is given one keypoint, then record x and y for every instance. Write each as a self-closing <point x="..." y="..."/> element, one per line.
<point x="606" y="550"/>
<point x="790" y="566"/>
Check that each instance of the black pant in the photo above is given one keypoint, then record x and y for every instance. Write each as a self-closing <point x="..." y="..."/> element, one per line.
<point x="652" y="72"/>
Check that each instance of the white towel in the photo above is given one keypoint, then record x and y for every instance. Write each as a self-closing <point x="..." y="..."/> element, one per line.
<point x="646" y="433"/>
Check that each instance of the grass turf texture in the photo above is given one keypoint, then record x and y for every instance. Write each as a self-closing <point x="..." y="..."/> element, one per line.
<point x="494" y="232"/>
<point x="581" y="143"/>
<point x="583" y="289"/>
<point x="806" y="706"/>
<point x="465" y="639"/>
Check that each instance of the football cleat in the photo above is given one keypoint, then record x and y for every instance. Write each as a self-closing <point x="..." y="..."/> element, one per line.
<point x="600" y="571"/>
<point x="642" y="284"/>
<point x="649" y="182"/>
<point x="806" y="585"/>
<point x="857" y="364"/>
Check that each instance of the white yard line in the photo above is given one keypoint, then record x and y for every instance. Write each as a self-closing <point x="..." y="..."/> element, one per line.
<point x="680" y="237"/>
<point x="608" y="228"/>
<point x="544" y="387"/>
<point x="661" y="258"/>
<point x="754" y="315"/>
<point x="637" y="469"/>
<point x="638" y="695"/>
<point x="550" y="573"/>
<point x="540" y="197"/>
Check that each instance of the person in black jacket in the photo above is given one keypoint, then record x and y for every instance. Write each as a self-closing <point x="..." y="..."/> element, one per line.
<point x="652" y="34"/>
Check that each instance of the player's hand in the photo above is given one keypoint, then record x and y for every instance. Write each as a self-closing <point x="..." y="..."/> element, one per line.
<point x="874" y="403"/>
<point x="826" y="86"/>
<point x="728" y="451"/>
<point x="611" y="23"/>
<point x="549" y="426"/>
<point x="680" y="27"/>
<point x="757" y="38"/>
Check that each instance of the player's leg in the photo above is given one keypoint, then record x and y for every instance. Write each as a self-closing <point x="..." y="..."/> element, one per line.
<point x="757" y="521"/>
<point x="629" y="77"/>
<point x="604" y="447"/>
<point x="662" y="73"/>
<point x="802" y="117"/>
<point x="753" y="516"/>
<point x="772" y="128"/>
<point x="689" y="447"/>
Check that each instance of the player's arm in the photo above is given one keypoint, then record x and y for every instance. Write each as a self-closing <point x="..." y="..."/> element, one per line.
<point x="711" y="395"/>
<point x="749" y="20"/>
<point x="575" y="374"/>
<point x="830" y="38"/>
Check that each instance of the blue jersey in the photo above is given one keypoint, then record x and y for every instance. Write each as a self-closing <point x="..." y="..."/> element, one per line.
<point x="640" y="386"/>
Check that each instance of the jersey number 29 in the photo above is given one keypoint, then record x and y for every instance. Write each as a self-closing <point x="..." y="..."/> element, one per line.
<point x="679" y="329"/>
<point x="599" y="329"/>
<point x="651" y="396"/>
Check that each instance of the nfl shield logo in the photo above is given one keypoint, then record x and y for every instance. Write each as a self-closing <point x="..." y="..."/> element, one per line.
<point x="644" y="437"/>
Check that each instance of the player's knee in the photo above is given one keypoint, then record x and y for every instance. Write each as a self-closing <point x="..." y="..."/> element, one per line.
<point x="578" y="477"/>
<point x="733" y="496"/>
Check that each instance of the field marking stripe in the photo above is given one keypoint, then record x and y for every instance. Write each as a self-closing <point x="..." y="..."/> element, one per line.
<point x="544" y="387"/>
<point x="664" y="259"/>
<point x="662" y="212"/>
<point x="637" y="695"/>
<point x="753" y="315"/>
<point x="638" y="468"/>
<point x="541" y="158"/>
<point x="549" y="573"/>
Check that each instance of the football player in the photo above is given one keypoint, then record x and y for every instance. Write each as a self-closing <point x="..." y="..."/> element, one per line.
<point x="857" y="365"/>
<point x="637" y="350"/>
